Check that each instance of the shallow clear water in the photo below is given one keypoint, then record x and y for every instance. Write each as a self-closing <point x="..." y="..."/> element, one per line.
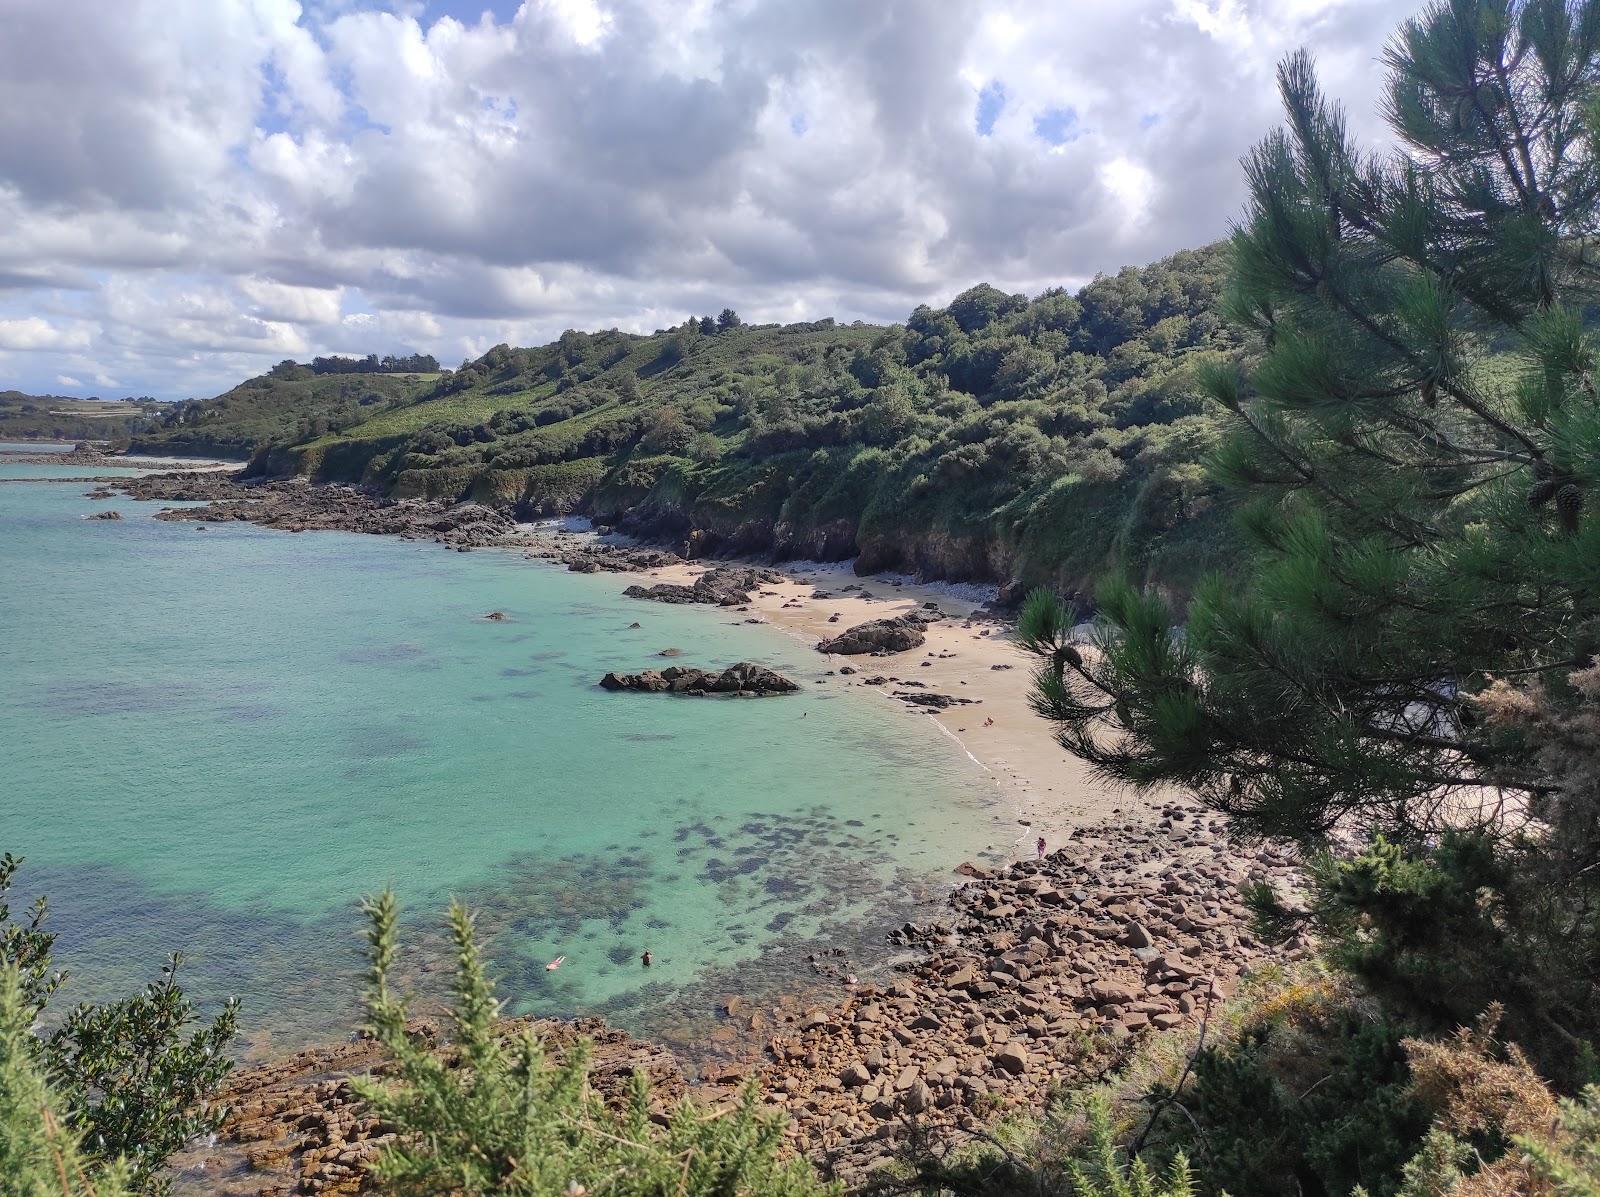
<point x="220" y="740"/>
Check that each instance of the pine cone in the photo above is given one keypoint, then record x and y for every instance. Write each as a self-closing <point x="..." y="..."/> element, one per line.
<point x="1430" y="392"/>
<point x="1542" y="469"/>
<point x="1542" y="493"/>
<point x="1569" y="506"/>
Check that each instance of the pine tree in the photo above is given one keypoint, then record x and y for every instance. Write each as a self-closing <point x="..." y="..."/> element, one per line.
<point x="1416" y="448"/>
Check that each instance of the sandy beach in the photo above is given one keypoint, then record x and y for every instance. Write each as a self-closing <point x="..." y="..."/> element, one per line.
<point x="968" y="655"/>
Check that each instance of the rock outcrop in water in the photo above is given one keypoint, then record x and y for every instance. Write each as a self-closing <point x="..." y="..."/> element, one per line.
<point x="743" y="679"/>
<point x="725" y="586"/>
<point x="880" y="636"/>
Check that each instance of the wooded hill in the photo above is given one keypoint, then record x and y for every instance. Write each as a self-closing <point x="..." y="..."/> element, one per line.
<point x="998" y="438"/>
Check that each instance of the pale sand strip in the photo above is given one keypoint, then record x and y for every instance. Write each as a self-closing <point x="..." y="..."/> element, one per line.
<point x="1037" y="779"/>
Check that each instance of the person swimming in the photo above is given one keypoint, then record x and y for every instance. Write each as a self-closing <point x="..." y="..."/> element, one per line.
<point x="646" y="959"/>
<point x="555" y="964"/>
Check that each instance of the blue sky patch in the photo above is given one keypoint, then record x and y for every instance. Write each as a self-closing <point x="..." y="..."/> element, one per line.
<point x="991" y="103"/>
<point x="1057" y="125"/>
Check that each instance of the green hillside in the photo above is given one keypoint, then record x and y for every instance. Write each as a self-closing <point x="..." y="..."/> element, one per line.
<point x="998" y="438"/>
<point x="288" y="404"/>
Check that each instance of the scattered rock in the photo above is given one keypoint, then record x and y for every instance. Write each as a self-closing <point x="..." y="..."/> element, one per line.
<point x="1013" y="1058"/>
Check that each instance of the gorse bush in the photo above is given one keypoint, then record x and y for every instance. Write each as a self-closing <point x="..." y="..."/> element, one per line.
<point x="495" y="1116"/>
<point x="1068" y="1149"/>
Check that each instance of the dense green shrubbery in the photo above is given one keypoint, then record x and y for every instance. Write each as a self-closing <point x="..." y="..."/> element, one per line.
<point x="133" y="1080"/>
<point x="282" y="405"/>
<point x="40" y="1154"/>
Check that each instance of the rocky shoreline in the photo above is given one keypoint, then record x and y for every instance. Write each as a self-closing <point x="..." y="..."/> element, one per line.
<point x="296" y="505"/>
<point x="1041" y="975"/>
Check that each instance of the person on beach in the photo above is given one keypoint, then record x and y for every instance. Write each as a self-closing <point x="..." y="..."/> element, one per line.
<point x="1038" y="848"/>
<point x="646" y="960"/>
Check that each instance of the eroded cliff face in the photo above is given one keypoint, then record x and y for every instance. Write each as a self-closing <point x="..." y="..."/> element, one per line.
<point x="933" y="554"/>
<point x="1062" y="549"/>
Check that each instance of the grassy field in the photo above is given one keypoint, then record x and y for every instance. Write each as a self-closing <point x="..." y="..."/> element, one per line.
<point x="61" y="417"/>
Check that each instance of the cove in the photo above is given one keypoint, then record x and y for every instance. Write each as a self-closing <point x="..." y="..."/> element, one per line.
<point x="219" y="741"/>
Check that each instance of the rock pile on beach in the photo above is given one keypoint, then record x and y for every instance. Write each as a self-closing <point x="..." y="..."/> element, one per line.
<point x="724" y="586"/>
<point x="933" y="701"/>
<point x="598" y="556"/>
<point x="894" y="635"/>
<point x="1044" y="972"/>
<point x="743" y="679"/>
<point x="295" y="1126"/>
<point x="81" y="454"/>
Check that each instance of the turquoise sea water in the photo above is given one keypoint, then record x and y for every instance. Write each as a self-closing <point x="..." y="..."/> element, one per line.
<point x="219" y="740"/>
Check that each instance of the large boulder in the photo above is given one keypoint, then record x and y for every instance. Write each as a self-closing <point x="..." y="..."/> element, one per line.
<point x="894" y="635"/>
<point x="743" y="678"/>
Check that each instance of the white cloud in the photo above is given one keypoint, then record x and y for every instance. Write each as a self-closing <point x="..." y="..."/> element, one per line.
<point x="292" y="304"/>
<point x="195" y="191"/>
<point x="31" y="332"/>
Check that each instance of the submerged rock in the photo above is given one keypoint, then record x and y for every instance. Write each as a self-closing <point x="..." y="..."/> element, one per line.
<point x="894" y="635"/>
<point x="106" y="515"/>
<point x="745" y="677"/>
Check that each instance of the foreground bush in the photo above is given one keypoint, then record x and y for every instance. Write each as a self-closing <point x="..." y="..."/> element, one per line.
<point x="503" y="1119"/>
<point x="134" y="1080"/>
<point x="40" y="1155"/>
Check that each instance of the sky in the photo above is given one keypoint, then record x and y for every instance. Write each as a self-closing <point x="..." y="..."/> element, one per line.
<point x="193" y="190"/>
